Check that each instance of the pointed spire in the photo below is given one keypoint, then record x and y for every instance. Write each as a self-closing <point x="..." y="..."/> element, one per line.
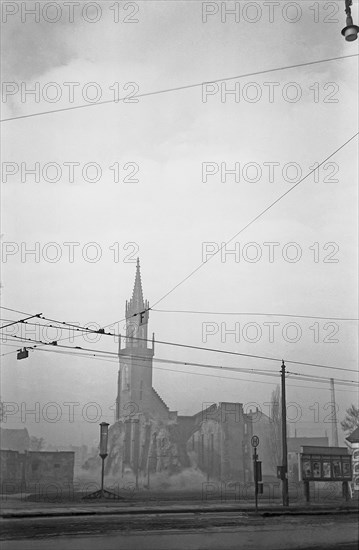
<point x="137" y="314"/>
<point x="137" y="294"/>
<point x="137" y="304"/>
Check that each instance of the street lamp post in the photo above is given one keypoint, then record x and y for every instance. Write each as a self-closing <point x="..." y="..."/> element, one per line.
<point x="103" y="451"/>
<point x="103" y="493"/>
<point x="350" y="32"/>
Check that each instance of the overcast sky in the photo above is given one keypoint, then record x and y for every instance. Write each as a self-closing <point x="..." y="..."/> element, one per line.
<point x="170" y="212"/>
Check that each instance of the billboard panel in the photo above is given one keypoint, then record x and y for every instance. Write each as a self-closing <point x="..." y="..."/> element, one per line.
<point x="325" y="466"/>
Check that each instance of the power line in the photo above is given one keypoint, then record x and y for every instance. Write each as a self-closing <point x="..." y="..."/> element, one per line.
<point x="205" y="349"/>
<point x="20" y="321"/>
<point x="238" y="313"/>
<point x="176" y="344"/>
<point x="188" y="346"/>
<point x="14" y="310"/>
<point x="254" y="314"/>
<point x="75" y="336"/>
<point x="254" y="219"/>
<point x="70" y="326"/>
<point x="215" y="376"/>
<point x="178" y="88"/>
<point x="105" y="354"/>
<point x="98" y="356"/>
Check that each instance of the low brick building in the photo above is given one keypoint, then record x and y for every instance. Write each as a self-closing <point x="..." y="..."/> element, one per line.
<point x="23" y="471"/>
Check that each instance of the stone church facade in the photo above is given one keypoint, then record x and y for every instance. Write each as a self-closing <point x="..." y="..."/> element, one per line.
<point x="147" y="437"/>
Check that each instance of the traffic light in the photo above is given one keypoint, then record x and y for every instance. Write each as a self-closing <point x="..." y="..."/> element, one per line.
<point x="22" y="353"/>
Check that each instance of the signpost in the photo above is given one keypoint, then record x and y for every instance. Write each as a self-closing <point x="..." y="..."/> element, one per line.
<point x="257" y="470"/>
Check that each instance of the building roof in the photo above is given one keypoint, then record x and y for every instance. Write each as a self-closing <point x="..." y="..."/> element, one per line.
<point x="295" y="443"/>
<point x="258" y="415"/>
<point x="354" y="436"/>
<point x="14" y="440"/>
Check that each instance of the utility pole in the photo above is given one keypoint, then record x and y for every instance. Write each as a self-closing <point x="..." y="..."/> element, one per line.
<point x="255" y="472"/>
<point x="335" y="442"/>
<point x="285" y="497"/>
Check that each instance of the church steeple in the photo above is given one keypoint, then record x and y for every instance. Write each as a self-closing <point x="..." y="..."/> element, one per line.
<point x="137" y="313"/>
<point x="135" y="372"/>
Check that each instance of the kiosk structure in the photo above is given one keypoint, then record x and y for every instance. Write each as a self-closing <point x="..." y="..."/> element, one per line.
<point x="325" y="464"/>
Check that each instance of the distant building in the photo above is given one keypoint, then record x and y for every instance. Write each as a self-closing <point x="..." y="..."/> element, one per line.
<point x="21" y="469"/>
<point x="148" y="437"/>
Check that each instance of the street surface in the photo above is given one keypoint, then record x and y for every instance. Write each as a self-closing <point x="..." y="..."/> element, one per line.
<point x="225" y="530"/>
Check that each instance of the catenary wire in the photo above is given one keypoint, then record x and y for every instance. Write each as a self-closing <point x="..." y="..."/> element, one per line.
<point x="176" y="344"/>
<point x="79" y="351"/>
<point x="99" y="358"/>
<point x="319" y="317"/>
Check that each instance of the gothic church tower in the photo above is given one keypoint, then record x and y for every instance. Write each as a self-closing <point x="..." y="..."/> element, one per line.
<point x="135" y="391"/>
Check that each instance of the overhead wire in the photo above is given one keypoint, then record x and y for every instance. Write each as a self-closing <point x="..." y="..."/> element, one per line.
<point x="179" y="88"/>
<point x="80" y="351"/>
<point x="255" y="219"/>
<point x="70" y="326"/>
<point x="295" y="316"/>
<point x="115" y="361"/>
<point x="188" y="346"/>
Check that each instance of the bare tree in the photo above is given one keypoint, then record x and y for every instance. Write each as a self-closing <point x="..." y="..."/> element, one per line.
<point x="351" y="419"/>
<point x="36" y="443"/>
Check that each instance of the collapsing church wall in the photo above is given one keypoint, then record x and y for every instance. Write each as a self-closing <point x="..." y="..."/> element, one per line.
<point x="216" y="445"/>
<point x="141" y="446"/>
